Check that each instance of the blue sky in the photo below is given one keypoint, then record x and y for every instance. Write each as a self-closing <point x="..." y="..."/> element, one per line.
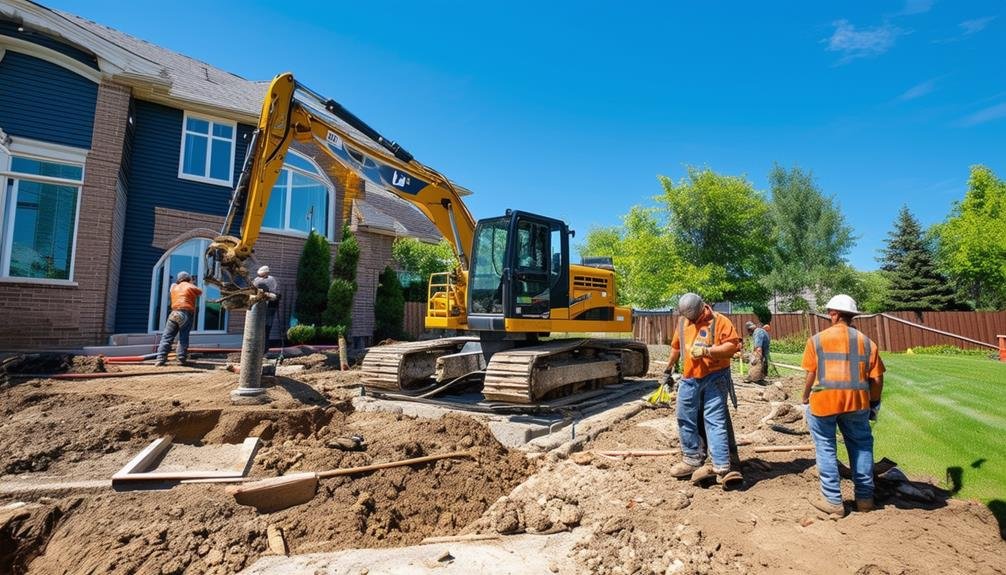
<point x="571" y="109"/>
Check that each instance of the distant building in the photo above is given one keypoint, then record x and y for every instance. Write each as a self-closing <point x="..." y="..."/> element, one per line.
<point x="117" y="162"/>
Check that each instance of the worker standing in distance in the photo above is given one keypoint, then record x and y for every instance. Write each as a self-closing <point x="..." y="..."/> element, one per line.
<point x="267" y="283"/>
<point x="845" y="378"/>
<point x="183" y="312"/>
<point x="758" y="362"/>
<point x="708" y="341"/>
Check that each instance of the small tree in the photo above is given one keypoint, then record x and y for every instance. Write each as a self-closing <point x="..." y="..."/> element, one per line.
<point x="389" y="306"/>
<point x="915" y="284"/>
<point x="418" y="260"/>
<point x="339" y="311"/>
<point x="312" y="279"/>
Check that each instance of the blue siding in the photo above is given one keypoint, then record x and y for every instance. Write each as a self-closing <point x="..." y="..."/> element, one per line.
<point x="42" y="101"/>
<point x="8" y="28"/>
<point x="154" y="182"/>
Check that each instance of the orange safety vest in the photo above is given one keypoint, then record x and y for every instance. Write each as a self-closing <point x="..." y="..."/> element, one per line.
<point x="184" y="296"/>
<point x="844" y="364"/>
<point x="701" y="367"/>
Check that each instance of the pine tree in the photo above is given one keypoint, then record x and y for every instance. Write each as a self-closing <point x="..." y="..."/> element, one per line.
<point x="339" y="311"/>
<point x="916" y="284"/>
<point x="312" y="280"/>
<point x="389" y="306"/>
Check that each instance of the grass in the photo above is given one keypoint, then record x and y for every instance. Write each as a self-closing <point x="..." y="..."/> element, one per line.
<point x="944" y="417"/>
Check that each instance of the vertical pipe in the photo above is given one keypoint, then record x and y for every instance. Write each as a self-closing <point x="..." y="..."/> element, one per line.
<point x="250" y="377"/>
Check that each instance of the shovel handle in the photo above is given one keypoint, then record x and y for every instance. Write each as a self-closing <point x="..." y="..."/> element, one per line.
<point x="402" y="463"/>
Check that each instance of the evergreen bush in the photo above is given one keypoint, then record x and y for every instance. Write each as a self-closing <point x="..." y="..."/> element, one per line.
<point x="312" y="279"/>
<point x="389" y="306"/>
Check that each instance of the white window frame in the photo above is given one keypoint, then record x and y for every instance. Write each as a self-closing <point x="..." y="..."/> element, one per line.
<point x="155" y="325"/>
<point x="43" y="152"/>
<point x="323" y="179"/>
<point x="209" y="149"/>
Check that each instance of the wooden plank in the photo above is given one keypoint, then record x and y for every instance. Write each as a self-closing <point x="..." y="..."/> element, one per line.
<point x="145" y="458"/>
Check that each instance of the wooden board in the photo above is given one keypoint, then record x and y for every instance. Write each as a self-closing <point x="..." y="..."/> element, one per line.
<point x="143" y="466"/>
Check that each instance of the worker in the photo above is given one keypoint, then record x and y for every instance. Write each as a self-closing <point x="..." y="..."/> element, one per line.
<point x="708" y="341"/>
<point x="268" y="284"/>
<point x="183" y="313"/>
<point x="758" y="360"/>
<point x="845" y="378"/>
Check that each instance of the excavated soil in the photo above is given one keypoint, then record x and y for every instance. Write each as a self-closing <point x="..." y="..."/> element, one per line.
<point x="60" y="432"/>
<point x="628" y="514"/>
<point x="637" y="519"/>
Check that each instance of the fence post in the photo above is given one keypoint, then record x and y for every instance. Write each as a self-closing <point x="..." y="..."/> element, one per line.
<point x="1002" y="347"/>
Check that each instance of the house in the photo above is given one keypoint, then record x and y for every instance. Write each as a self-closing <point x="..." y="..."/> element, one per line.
<point x="117" y="163"/>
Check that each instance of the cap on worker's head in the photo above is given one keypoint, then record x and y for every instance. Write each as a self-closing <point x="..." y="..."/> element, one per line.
<point x="183" y="277"/>
<point x="842" y="303"/>
<point x="749" y="326"/>
<point x="263" y="271"/>
<point x="690" y="305"/>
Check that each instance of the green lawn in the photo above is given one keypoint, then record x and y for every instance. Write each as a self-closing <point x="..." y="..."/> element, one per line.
<point x="944" y="417"/>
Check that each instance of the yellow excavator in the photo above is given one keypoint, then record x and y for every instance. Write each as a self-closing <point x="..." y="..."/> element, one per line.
<point x="514" y="284"/>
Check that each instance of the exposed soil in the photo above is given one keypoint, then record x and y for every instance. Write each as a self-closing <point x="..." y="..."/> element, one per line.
<point x="629" y="515"/>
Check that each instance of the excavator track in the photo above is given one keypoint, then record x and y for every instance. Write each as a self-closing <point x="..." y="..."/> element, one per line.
<point x="563" y="367"/>
<point x="408" y="365"/>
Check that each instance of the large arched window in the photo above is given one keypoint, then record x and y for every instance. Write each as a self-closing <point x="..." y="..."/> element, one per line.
<point x="302" y="199"/>
<point x="188" y="256"/>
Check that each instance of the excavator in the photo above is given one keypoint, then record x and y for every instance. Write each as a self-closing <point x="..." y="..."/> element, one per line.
<point x="513" y="286"/>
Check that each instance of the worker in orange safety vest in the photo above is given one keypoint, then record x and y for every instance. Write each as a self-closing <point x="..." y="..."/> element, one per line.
<point x="708" y="341"/>
<point x="845" y="378"/>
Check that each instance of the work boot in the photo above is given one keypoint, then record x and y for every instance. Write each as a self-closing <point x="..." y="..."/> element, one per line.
<point x="683" y="470"/>
<point x="822" y="504"/>
<point x="864" y="505"/>
<point x="703" y="475"/>
<point x="730" y="479"/>
<point x="183" y="361"/>
<point x="160" y="363"/>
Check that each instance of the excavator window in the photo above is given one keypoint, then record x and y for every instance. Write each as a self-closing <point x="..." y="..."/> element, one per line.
<point x="488" y="263"/>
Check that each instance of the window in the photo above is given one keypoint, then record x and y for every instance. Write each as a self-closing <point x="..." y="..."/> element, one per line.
<point x="207" y="150"/>
<point x="300" y="200"/>
<point x="39" y="205"/>
<point x="210" y="316"/>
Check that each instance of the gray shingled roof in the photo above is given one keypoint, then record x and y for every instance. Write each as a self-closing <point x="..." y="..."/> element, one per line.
<point x="383" y="210"/>
<point x="191" y="80"/>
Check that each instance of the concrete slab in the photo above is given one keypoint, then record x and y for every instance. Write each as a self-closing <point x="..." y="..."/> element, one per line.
<point x="516" y="555"/>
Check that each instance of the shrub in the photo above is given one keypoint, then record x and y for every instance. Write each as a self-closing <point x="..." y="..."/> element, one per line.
<point x="389" y="306"/>
<point x="340" y="303"/>
<point x="301" y="334"/>
<point x="763" y="314"/>
<point x="330" y="333"/>
<point x="790" y="344"/>
<point x="951" y="350"/>
<point x="312" y="279"/>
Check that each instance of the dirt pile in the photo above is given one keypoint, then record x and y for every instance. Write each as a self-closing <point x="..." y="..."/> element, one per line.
<point x="47" y="363"/>
<point x="53" y="427"/>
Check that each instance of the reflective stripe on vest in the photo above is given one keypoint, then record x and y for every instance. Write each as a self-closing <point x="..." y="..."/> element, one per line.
<point x="852" y="358"/>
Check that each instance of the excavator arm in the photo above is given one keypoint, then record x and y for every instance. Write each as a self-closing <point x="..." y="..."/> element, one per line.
<point x="291" y="112"/>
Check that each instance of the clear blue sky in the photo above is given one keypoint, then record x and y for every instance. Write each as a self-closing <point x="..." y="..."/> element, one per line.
<point x="571" y="109"/>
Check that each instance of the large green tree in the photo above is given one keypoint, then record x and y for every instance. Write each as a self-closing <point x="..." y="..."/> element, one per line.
<point x="721" y="221"/>
<point x="312" y="280"/>
<point x="810" y="239"/>
<point x="971" y="243"/>
<point x="915" y="283"/>
<point x="418" y="260"/>
<point x="650" y="271"/>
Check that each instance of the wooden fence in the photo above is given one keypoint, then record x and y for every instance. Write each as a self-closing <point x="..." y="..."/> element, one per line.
<point x="894" y="331"/>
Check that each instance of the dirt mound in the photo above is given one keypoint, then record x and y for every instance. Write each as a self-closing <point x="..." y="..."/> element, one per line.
<point x="47" y="363"/>
<point x="52" y="427"/>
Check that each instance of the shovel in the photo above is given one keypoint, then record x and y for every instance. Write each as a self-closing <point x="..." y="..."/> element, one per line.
<point x="278" y="493"/>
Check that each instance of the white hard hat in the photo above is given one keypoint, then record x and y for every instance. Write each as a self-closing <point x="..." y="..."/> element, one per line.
<point x="842" y="302"/>
<point x="263" y="271"/>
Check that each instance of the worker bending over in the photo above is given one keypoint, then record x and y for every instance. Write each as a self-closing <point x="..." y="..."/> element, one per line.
<point x="845" y="377"/>
<point x="183" y="312"/>
<point x="708" y="341"/>
<point x="758" y="362"/>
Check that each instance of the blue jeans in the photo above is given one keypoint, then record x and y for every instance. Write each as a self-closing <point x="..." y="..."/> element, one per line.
<point x="177" y="325"/>
<point x="706" y="395"/>
<point x="855" y="427"/>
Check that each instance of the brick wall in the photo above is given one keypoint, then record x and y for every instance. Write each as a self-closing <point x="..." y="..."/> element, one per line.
<point x="375" y="254"/>
<point x="65" y="316"/>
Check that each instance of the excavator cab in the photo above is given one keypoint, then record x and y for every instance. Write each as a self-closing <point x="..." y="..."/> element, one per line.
<point x="520" y="270"/>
